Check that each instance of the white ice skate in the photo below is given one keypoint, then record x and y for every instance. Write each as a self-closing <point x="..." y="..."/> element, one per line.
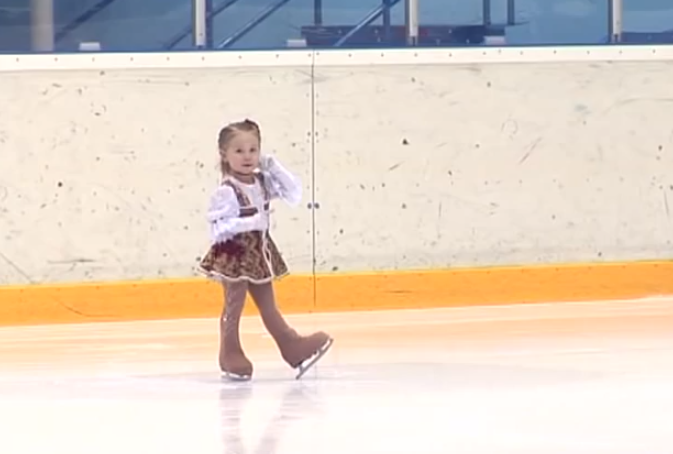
<point x="236" y="377"/>
<point x="310" y="362"/>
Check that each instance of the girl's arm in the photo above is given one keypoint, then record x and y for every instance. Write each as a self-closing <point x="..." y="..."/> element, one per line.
<point x="223" y="216"/>
<point x="281" y="182"/>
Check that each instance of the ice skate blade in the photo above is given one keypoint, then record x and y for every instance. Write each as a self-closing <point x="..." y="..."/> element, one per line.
<point x="306" y="365"/>
<point x="236" y="377"/>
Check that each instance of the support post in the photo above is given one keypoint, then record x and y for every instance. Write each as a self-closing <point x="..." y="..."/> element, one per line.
<point x="42" y="25"/>
<point x="387" y="24"/>
<point x="486" y="11"/>
<point x="411" y="21"/>
<point x="317" y="12"/>
<point x="615" y="16"/>
<point x="210" y="18"/>
<point x="511" y="12"/>
<point x="199" y="20"/>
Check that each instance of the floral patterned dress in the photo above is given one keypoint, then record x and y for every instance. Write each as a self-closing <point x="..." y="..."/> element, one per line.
<point x="241" y="247"/>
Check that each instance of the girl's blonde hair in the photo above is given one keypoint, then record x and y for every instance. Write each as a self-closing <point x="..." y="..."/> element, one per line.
<point x="228" y="132"/>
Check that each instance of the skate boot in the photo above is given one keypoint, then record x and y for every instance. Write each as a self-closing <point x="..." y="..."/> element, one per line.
<point x="302" y="352"/>
<point x="233" y="362"/>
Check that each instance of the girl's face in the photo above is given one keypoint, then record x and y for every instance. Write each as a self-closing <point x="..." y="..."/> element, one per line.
<point x="242" y="153"/>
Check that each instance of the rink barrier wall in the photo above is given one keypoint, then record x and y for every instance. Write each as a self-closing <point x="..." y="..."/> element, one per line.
<point x="196" y="298"/>
<point x="578" y="174"/>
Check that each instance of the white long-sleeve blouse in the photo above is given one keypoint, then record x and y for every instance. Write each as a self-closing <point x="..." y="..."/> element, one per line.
<point x="223" y="212"/>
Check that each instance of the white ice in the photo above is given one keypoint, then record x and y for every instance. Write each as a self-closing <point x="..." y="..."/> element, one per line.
<point x="541" y="379"/>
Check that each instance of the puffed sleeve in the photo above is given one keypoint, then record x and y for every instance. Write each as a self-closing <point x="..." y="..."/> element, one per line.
<point x="223" y="216"/>
<point x="281" y="182"/>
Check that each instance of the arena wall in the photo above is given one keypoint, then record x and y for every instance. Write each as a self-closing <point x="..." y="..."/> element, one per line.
<point x="432" y="177"/>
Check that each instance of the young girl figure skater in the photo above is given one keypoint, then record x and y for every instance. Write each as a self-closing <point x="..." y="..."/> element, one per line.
<point x="244" y="257"/>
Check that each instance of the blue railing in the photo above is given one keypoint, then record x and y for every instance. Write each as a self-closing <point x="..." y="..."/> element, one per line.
<point x="81" y="19"/>
<point x="383" y="11"/>
<point x="254" y="22"/>
<point x="342" y="23"/>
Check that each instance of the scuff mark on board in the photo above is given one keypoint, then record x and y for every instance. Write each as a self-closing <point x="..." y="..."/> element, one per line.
<point x="530" y="151"/>
<point x="17" y="268"/>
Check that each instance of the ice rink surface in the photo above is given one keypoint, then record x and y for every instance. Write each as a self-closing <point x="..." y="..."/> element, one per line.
<point x="541" y="379"/>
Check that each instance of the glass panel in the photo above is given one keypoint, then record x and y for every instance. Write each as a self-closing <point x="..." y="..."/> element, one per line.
<point x="559" y="22"/>
<point x="128" y="25"/>
<point x="153" y="25"/>
<point x="14" y="26"/>
<point x="271" y="23"/>
<point x="648" y="21"/>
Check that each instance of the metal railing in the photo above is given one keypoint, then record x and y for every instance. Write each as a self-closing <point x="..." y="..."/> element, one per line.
<point x="91" y="12"/>
<point x="252" y="24"/>
<point x="381" y="10"/>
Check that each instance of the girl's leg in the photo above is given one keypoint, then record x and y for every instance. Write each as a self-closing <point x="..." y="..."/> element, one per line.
<point x="233" y="361"/>
<point x="295" y="349"/>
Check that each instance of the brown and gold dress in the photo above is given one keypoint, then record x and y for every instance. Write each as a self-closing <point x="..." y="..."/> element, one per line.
<point x="241" y="247"/>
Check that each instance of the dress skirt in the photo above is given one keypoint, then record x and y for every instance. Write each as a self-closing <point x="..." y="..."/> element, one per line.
<point x="250" y="256"/>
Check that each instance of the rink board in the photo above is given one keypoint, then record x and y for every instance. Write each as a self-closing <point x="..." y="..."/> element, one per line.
<point x="188" y="298"/>
<point x="573" y="174"/>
